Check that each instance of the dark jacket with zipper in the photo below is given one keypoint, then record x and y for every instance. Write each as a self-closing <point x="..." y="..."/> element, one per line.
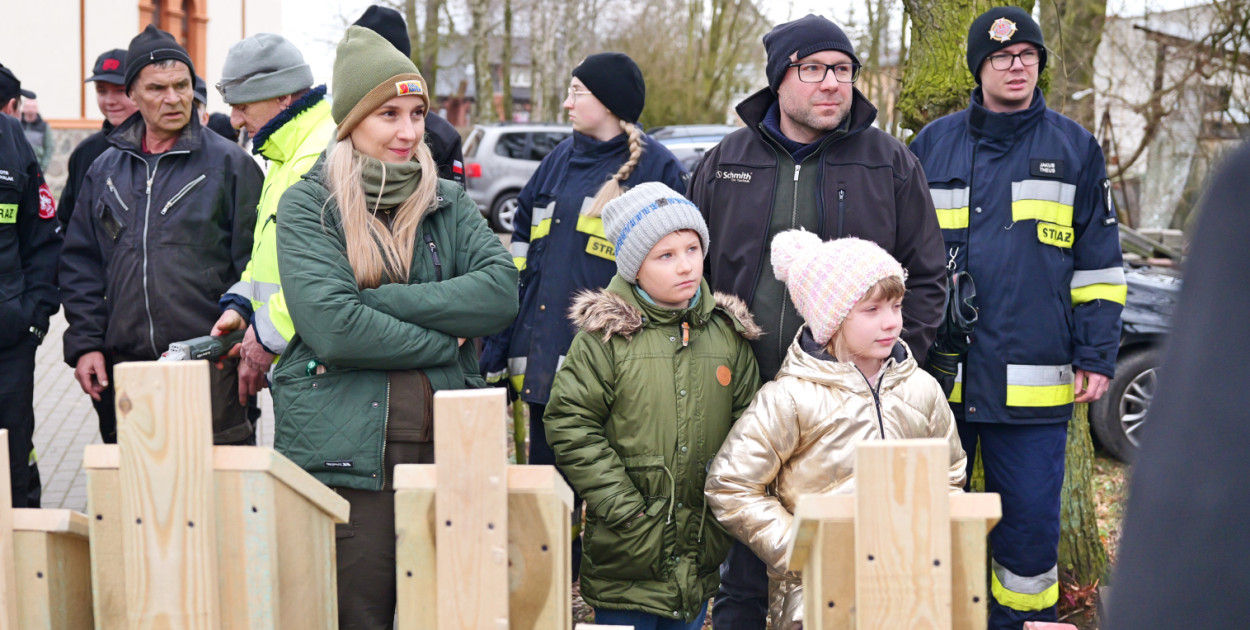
<point x="156" y="240"/>
<point x="336" y="385"/>
<point x="860" y="182"/>
<point x="79" y="161"/>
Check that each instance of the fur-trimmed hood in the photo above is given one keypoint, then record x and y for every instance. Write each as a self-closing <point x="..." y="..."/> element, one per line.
<point x="609" y="312"/>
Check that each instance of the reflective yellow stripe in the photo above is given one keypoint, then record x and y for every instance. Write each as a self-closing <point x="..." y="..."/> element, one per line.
<point x="540" y="230"/>
<point x="520" y="263"/>
<point x="952" y="218"/>
<point x="1047" y="586"/>
<point x="518" y="382"/>
<point x="1051" y="211"/>
<point x="1039" y="385"/>
<point x="1117" y="293"/>
<point x="591" y="225"/>
<point x="957" y="392"/>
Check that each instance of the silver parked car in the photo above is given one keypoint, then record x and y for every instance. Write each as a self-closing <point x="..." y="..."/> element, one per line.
<point x="499" y="160"/>
<point x="689" y="142"/>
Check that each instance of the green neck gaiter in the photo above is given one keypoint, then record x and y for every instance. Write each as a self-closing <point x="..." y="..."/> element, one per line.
<point x="388" y="185"/>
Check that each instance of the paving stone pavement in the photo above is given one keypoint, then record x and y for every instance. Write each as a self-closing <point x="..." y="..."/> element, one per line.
<point x="65" y="422"/>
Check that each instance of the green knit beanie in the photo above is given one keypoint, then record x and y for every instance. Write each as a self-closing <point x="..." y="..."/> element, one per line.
<point x="368" y="71"/>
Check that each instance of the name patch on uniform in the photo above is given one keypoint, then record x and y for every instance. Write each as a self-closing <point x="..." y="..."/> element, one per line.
<point x="1057" y="235"/>
<point x="403" y="88"/>
<point x="600" y="247"/>
<point x="8" y="213"/>
<point x="1046" y="168"/>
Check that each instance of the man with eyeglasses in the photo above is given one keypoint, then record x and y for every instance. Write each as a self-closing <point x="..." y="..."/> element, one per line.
<point x="1022" y="196"/>
<point x="809" y="158"/>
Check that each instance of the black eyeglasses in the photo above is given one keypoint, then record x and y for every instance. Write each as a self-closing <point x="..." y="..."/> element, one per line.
<point x="810" y="72"/>
<point x="1004" y="61"/>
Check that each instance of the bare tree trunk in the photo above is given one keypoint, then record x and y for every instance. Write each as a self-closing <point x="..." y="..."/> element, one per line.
<point x="428" y="61"/>
<point x="483" y="86"/>
<point x="505" y="61"/>
<point x="1073" y="30"/>
<point x="1082" y="557"/>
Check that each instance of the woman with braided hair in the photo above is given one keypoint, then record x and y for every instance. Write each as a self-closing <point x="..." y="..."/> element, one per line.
<point x="558" y="243"/>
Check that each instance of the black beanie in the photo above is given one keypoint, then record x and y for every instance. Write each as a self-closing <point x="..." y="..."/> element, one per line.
<point x="616" y="81"/>
<point x="388" y="23"/>
<point x="999" y="28"/>
<point x="801" y="38"/>
<point x="150" y="46"/>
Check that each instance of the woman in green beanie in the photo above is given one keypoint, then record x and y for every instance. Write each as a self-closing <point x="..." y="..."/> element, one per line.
<point x="386" y="270"/>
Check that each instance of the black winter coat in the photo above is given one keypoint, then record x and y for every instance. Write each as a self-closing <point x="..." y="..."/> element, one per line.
<point x="155" y="241"/>
<point x="30" y="240"/>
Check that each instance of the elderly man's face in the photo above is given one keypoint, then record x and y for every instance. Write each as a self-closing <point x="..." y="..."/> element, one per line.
<point x="30" y="110"/>
<point x="163" y="96"/>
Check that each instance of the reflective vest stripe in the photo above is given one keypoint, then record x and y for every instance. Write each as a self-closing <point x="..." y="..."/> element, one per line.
<point x="952" y="207"/>
<point x="1039" y="385"/>
<point x="541" y="221"/>
<point x="591" y="225"/>
<point x="269" y="332"/>
<point x="516" y="372"/>
<point x="520" y="251"/>
<point x="1042" y="200"/>
<point x="957" y="392"/>
<point x="540" y="230"/>
<point x="1025" y="593"/>
<point x="242" y="288"/>
<point x="1099" y="284"/>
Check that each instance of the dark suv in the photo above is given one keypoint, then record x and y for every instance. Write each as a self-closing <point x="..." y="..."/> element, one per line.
<point x="1118" y="417"/>
<point x="499" y="160"/>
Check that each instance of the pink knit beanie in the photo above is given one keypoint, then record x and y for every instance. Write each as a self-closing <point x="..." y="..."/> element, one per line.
<point x="827" y="279"/>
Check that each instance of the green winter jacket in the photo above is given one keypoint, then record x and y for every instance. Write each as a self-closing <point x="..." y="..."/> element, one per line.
<point x="636" y="413"/>
<point x="334" y="424"/>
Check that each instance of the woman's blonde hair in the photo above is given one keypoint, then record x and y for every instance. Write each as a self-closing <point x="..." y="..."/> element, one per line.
<point x="889" y="288"/>
<point x="612" y="188"/>
<point x="372" y="249"/>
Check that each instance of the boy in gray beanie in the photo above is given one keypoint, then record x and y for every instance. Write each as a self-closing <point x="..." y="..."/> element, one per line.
<point x="646" y="394"/>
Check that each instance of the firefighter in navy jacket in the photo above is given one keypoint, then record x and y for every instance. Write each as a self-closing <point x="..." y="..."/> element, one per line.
<point x="1023" y="201"/>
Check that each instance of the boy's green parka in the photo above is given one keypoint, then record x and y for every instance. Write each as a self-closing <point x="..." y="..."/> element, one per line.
<point x="637" y="411"/>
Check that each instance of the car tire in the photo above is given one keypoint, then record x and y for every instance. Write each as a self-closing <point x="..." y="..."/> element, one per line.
<point x="503" y="212"/>
<point x="1119" y="416"/>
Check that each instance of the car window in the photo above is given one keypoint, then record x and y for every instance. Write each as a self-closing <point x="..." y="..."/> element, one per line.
<point x="545" y="142"/>
<point x="511" y="145"/>
<point x="475" y="140"/>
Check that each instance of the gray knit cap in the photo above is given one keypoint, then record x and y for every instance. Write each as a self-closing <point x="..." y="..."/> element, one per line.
<point x="261" y="67"/>
<point x="638" y="219"/>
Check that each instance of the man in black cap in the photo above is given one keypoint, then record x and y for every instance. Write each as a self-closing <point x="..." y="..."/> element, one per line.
<point x="163" y="226"/>
<point x="30" y="240"/>
<point x="116" y="106"/>
<point x="809" y="158"/>
<point x="443" y="139"/>
<point x="1025" y="208"/>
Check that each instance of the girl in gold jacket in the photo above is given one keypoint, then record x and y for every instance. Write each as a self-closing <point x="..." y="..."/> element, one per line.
<point x="846" y="378"/>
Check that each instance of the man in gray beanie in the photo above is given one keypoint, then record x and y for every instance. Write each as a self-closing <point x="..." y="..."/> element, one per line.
<point x="810" y="152"/>
<point x="269" y="89"/>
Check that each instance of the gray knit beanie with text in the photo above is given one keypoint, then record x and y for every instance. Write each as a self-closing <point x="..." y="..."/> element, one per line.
<point x="638" y="219"/>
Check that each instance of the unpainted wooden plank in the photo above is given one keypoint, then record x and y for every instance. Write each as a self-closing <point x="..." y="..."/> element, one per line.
<point x="60" y="572"/>
<point x="308" y="569"/>
<point x="539" y="563"/>
<point x="108" y="568"/>
<point x="902" y="535"/>
<point x="30" y="563"/>
<point x="247" y="550"/>
<point x="471" y="509"/>
<point x="50" y="520"/>
<point x="835" y="598"/>
<point x="809" y="512"/>
<point x="8" y="568"/>
<point x="416" y="573"/>
<point x="164" y="434"/>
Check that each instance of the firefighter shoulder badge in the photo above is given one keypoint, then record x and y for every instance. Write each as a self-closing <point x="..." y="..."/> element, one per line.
<point x="1002" y="29"/>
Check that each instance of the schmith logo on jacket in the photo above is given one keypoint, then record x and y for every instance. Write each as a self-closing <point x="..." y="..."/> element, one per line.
<point x="741" y="178"/>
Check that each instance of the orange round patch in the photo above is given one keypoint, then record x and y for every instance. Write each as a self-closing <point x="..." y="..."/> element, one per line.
<point x="723" y="376"/>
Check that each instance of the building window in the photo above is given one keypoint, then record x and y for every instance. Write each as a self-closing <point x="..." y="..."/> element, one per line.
<point x="186" y="20"/>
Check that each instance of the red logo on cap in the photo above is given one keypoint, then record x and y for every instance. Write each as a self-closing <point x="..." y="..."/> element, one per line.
<point x="110" y="64"/>
<point x="47" y="207"/>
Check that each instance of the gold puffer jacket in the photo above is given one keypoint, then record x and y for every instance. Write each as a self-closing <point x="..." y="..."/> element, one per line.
<point x="798" y="437"/>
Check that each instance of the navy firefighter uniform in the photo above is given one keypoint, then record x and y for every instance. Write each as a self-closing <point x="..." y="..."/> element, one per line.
<point x="1025" y="207"/>
<point x="30" y="244"/>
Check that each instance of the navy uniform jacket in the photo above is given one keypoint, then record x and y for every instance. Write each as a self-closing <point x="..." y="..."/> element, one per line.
<point x="561" y="251"/>
<point x="1025" y="206"/>
<point x="30" y="241"/>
